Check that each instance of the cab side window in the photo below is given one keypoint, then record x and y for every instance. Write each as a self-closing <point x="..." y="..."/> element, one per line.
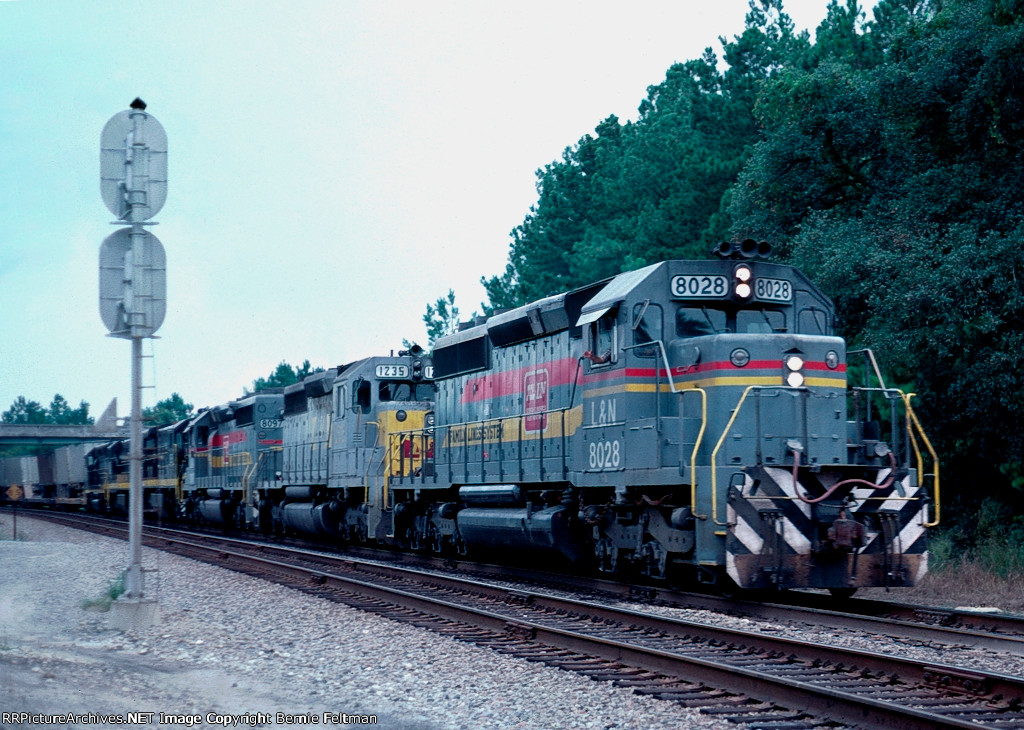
<point x="603" y="340"/>
<point x="648" y="326"/>
<point x="361" y="395"/>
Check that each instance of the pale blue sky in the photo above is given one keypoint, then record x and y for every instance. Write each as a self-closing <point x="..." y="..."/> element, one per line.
<point x="333" y="166"/>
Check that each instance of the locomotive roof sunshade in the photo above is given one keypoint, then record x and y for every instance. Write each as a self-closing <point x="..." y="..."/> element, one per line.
<point x="614" y="292"/>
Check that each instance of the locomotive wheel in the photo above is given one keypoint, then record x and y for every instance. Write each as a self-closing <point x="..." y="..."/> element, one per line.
<point x="727" y="587"/>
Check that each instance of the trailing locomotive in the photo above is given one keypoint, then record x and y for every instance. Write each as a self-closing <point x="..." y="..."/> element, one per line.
<point x="690" y="421"/>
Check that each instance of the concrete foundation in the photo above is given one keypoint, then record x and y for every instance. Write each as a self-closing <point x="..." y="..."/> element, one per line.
<point x="131" y="613"/>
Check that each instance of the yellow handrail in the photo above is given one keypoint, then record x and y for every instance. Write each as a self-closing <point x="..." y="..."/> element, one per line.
<point x="912" y="417"/>
<point x="714" y="455"/>
<point x="696" y="446"/>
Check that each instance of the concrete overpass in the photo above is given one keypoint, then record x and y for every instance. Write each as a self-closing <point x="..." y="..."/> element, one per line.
<point x="106" y="429"/>
<point x="56" y="435"/>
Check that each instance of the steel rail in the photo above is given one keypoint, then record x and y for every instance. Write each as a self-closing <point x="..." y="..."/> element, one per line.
<point x="639" y="639"/>
<point x="836" y="704"/>
<point x="992" y="631"/>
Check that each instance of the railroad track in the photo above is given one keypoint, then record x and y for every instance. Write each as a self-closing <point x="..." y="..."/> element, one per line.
<point x="745" y="677"/>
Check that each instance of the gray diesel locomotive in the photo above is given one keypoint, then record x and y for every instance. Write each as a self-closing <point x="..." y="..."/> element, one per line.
<point x="693" y="421"/>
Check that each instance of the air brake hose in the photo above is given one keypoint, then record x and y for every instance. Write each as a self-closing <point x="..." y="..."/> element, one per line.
<point x="831" y="490"/>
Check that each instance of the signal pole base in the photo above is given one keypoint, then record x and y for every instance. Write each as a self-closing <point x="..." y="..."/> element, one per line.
<point x="133" y="613"/>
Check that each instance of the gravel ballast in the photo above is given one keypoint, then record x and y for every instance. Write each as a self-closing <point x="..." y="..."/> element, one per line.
<point x="235" y="645"/>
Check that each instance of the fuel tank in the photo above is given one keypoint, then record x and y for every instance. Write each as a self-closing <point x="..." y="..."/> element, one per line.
<point x="305" y="517"/>
<point x="551" y="530"/>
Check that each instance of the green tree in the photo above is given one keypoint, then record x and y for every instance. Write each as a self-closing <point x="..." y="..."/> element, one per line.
<point x="640" y="192"/>
<point x="27" y="412"/>
<point x="890" y="169"/>
<point x="61" y="412"/>
<point x="23" y="411"/>
<point x="282" y="376"/>
<point x="168" y="411"/>
<point x="441" y="318"/>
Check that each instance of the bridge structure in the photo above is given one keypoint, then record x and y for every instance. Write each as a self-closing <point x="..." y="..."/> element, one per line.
<point x="55" y="435"/>
<point x="49" y="434"/>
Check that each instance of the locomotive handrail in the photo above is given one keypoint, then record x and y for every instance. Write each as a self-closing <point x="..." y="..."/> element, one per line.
<point x="721" y="440"/>
<point x="912" y="417"/>
<point x="914" y="430"/>
<point x="696" y="446"/>
<point x="380" y="470"/>
<point x="247" y="477"/>
<point x="443" y="438"/>
<point x="664" y="359"/>
<point x="874" y="363"/>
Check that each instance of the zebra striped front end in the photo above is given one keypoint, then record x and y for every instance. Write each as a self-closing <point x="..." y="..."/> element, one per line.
<point x="868" y="530"/>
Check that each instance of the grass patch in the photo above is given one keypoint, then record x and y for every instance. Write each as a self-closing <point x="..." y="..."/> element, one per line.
<point x="102" y="603"/>
<point x="989" y="572"/>
<point x="980" y="563"/>
<point x="965" y="582"/>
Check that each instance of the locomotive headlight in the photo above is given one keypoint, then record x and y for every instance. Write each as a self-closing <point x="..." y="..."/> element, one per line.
<point x="832" y="359"/>
<point x="743" y="275"/>
<point x="739" y="357"/>
<point x="794" y="364"/>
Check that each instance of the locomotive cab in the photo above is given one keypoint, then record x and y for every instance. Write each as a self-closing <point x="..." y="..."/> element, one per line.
<point x="345" y="441"/>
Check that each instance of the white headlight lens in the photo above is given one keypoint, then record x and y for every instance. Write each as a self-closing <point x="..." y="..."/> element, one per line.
<point x="794" y="362"/>
<point x="795" y="380"/>
<point x="743" y="273"/>
<point x="743" y="290"/>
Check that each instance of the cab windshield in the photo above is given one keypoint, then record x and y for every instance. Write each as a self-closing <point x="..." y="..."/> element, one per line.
<point x="391" y="390"/>
<point x="698" y="321"/>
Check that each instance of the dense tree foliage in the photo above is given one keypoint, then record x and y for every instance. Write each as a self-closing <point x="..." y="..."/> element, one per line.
<point x="284" y="375"/>
<point x="168" y="411"/>
<point x="653" y="189"/>
<point x="24" y="411"/>
<point x="885" y="158"/>
<point x="891" y="168"/>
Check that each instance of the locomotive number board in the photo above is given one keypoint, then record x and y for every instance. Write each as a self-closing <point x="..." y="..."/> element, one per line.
<point x="393" y="371"/>
<point x="773" y="290"/>
<point x="713" y="286"/>
<point x="699" y="287"/>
